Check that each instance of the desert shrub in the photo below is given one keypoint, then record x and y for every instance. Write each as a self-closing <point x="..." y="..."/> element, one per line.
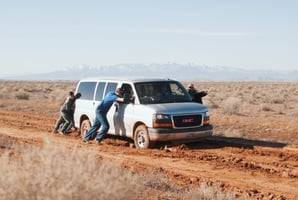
<point x="22" y="96"/>
<point x="232" y="105"/>
<point x="170" y="191"/>
<point x="232" y="132"/>
<point x="265" y="107"/>
<point x="3" y="92"/>
<point x="293" y="90"/>
<point x="206" y="192"/>
<point x="277" y="100"/>
<point x="212" y="104"/>
<point x="274" y="99"/>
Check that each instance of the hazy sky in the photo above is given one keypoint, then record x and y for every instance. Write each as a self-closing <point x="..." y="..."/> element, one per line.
<point x="42" y="36"/>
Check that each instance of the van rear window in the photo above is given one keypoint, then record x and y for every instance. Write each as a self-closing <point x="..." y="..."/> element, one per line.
<point x="100" y="90"/>
<point x="87" y="90"/>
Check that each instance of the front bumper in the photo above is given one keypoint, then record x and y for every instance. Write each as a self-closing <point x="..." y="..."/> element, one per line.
<point x="180" y="134"/>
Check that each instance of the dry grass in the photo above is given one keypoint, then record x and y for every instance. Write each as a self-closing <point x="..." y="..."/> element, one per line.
<point x="245" y="97"/>
<point x="34" y="95"/>
<point x="52" y="172"/>
<point x="55" y="172"/>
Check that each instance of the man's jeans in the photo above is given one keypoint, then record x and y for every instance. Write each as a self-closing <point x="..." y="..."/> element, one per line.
<point x="67" y="121"/>
<point x="100" y="121"/>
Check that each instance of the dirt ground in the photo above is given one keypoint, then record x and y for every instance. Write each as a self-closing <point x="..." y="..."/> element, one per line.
<point x="247" y="166"/>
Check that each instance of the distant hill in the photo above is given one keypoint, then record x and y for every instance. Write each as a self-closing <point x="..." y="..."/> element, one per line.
<point x="182" y="72"/>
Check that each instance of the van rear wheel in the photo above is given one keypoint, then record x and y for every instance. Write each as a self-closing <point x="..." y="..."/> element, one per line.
<point x="85" y="126"/>
<point x="141" y="138"/>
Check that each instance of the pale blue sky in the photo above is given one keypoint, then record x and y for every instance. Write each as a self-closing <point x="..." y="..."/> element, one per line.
<point x="42" y="36"/>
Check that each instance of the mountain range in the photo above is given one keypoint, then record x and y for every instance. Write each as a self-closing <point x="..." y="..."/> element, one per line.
<point x="182" y="72"/>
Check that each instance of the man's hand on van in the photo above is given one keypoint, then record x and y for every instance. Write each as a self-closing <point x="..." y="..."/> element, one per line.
<point x="126" y="98"/>
<point x="132" y="99"/>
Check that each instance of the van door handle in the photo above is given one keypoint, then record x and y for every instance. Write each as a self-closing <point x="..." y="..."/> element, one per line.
<point x="116" y="107"/>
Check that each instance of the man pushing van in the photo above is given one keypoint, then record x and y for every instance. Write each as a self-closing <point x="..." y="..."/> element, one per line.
<point x="101" y="116"/>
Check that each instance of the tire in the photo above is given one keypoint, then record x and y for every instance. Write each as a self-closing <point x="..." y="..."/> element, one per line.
<point x="85" y="126"/>
<point x="141" y="138"/>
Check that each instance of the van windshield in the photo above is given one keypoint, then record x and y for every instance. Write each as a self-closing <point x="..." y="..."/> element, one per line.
<point x="161" y="92"/>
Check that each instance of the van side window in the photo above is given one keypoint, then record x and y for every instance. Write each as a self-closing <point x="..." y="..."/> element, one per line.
<point x="99" y="91"/>
<point x="110" y="87"/>
<point x="87" y="90"/>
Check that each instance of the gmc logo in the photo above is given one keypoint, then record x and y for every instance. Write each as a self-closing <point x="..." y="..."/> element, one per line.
<point x="187" y="120"/>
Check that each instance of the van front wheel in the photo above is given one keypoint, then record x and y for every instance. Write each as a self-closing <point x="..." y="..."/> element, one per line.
<point x="141" y="138"/>
<point x="85" y="126"/>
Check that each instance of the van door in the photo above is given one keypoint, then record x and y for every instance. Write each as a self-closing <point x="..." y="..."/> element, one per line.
<point x="121" y="115"/>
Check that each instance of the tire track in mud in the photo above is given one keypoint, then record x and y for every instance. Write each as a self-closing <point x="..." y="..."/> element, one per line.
<point x="25" y="120"/>
<point x="255" y="169"/>
<point x="270" y="161"/>
<point x="258" y="172"/>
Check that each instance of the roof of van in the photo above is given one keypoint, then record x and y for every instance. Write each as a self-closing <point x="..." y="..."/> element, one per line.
<point x="126" y="79"/>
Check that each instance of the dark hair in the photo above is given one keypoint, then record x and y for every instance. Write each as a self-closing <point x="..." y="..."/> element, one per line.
<point x="119" y="90"/>
<point x="71" y="93"/>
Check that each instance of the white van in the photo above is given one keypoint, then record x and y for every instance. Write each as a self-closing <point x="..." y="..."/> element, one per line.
<point x="162" y="110"/>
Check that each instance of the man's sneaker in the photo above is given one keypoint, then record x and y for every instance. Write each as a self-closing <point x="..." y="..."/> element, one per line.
<point x="86" y="141"/>
<point x="98" y="142"/>
<point x="61" y="132"/>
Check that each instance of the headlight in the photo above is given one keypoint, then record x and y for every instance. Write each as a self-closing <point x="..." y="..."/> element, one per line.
<point x="206" y="119"/>
<point x="161" y="116"/>
<point x="162" y="121"/>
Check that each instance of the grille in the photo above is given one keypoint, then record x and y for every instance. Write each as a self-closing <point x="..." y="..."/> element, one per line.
<point x="187" y="121"/>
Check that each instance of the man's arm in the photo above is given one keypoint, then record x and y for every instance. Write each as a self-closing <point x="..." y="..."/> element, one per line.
<point x="202" y="93"/>
<point x="120" y="99"/>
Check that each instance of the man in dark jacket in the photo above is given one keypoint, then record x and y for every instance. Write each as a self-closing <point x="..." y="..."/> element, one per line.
<point x="196" y="95"/>
<point x="71" y="113"/>
<point x="65" y="121"/>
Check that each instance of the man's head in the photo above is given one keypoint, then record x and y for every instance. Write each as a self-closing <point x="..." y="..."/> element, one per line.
<point x="119" y="92"/>
<point x="71" y="93"/>
<point x="190" y="86"/>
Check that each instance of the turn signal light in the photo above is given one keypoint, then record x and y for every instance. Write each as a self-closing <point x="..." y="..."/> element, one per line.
<point x="162" y="125"/>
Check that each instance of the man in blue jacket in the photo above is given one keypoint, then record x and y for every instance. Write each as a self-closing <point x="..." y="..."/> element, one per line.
<point x="101" y="116"/>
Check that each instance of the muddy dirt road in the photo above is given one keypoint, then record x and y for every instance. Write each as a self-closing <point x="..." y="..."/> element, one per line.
<point x="247" y="168"/>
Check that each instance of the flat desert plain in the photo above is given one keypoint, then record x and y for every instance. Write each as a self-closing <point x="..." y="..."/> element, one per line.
<point x="253" y="153"/>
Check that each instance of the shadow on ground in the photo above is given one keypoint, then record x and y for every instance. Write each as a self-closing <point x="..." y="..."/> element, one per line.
<point x="220" y="142"/>
<point x="213" y="142"/>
